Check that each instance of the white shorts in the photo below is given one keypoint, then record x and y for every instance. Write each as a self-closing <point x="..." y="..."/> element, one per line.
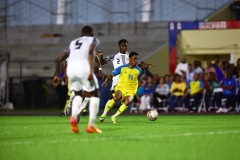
<point x="77" y="72"/>
<point x="114" y="82"/>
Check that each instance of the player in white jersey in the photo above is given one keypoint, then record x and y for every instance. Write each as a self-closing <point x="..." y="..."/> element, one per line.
<point x="81" y="77"/>
<point x="119" y="59"/>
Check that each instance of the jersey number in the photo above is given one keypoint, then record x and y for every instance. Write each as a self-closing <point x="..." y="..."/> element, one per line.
<point x="78" y="45"/>
<point x="130" y="77"/>
<point x="118" y="61"/>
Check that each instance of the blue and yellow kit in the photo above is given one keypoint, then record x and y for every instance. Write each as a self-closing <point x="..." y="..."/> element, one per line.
<point x="128" y="78"/>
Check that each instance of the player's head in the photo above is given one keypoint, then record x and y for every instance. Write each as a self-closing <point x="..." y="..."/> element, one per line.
<point x="87" y="31"/>
<point x="122" y="44"/>
<point x="133" y="58"/>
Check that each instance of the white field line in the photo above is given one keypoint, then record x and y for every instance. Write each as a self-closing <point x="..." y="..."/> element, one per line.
<point x="121" y="138"/>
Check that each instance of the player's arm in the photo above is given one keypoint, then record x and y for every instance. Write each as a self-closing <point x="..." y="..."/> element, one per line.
<point x="91" y="60"/>
<point x="110" y="76"/>
<point x="143" y="65"/>
<point x="99" y="66"/>
<point x="101" y="59"/>
<point x="62" y="56"/>
<point x="108" y="79"/>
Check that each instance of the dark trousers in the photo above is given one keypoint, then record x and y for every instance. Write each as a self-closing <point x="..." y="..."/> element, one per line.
<point x="196" y="97"/>
<point x="231" y="100"/>
<point x="155" y="99"/>
<point x="173" y="102"/>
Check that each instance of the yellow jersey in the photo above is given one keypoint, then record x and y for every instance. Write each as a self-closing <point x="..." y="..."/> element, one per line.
<point x="128" y="78"/>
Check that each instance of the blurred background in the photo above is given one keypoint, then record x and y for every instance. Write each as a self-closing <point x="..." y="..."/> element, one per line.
<point x="33" y="33"/>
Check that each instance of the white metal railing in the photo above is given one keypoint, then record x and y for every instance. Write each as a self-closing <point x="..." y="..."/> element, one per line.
<point x="32" y="12"/>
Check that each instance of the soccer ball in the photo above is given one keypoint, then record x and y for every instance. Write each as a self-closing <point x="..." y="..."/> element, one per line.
<point x="152" y="115"/>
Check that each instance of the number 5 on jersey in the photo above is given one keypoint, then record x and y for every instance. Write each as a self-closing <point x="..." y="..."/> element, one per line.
<point x="78" y="45"/>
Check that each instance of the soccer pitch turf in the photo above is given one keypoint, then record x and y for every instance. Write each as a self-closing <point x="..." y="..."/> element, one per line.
<point x="212" y="137"/>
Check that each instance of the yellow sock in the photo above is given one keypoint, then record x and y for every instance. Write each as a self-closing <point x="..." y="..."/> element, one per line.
<point x="109" y="106"/>
<point x="66" y="105"/>
<point x="121" y="109"/>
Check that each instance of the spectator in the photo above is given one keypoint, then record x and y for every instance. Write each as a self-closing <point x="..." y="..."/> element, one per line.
<point x="212" y="82"/>
<point x="190" y="73"/>
<point x="216" y="61"/>
<point x="219" y="71"/>
<point x="196" y="87"/>
<point x="161" y="92"/>
<point x="237" y="68"/>
<point x="183" y="77"/>
<point x="226" y="65"/>
<point x="155" y="79"/>
<point x="146" y="97"/>
<point x="209" y="69"/>
<point x="182" y="66"/>
<point x="197" y="66"/>
<point x="169" y="79"/>
<point x="178" y="90"/>
<point x="228" y="84"/>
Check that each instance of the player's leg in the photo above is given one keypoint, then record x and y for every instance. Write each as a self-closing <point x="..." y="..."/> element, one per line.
<point x="91" y="91"/>
<point x="110" y="103"/>
<point x="75" y="107"/>
<point x="76" y="88"/>
<point x="125" y="102"/>
<point x="84" y="103"/>
<point x="67" y="100"/>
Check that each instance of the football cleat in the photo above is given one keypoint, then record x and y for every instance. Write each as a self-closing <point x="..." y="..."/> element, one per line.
<point x="74" y="125"/>
<point x="114" y="119"/>
<point x="102" y="118"/>
<point x="94" y="129"/>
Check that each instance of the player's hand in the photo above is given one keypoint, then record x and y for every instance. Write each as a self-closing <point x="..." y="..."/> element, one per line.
<point x="100" y="53"/>
<point x="104" y="84"/>
<point x="56" y="81"/>
<point x="150" y="65"/>
<point x="90" y="77"/>
<point x="101" y="74"/>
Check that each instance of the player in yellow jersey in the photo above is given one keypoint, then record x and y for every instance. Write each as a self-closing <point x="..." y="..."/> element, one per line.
<point x="129" y="76"/>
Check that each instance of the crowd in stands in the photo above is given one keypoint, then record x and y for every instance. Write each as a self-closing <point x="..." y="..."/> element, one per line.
<point x="192" y="88"/>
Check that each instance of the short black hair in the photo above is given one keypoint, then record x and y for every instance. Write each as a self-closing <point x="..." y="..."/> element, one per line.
<point x="87" y="30"/>
<point x="133" y="54"/>
<point x="122" y="41"/>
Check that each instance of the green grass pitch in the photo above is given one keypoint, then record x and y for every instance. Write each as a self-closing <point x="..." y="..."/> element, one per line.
<point x="186" y="137"/>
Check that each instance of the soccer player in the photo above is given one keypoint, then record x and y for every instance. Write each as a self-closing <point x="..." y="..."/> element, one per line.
<point x="129" y="76"/>
<point x="70" y="95"/>
<point x="81" y="77"/>
<point x="119" y="59"/>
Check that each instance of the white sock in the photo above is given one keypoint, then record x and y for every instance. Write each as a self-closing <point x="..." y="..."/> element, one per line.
<point x="93" y="110"/>
<point x="77" y="101"/>
<point x="84" y="104"/>
<point x="72" y="95"/>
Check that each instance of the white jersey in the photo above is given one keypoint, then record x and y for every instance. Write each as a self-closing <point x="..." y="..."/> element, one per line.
<point x="78" y="67"/>
<point x="118" y="60"/>
<point x="79" y="48"/>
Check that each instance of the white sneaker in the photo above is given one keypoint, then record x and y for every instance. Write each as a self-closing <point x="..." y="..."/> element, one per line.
<point x="159" y="100"/>
<point x="225" y="110"/>
<point x="220" y="110"/>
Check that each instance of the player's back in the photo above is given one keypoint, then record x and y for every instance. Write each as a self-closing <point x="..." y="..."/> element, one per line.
<point x="79" y="48"/>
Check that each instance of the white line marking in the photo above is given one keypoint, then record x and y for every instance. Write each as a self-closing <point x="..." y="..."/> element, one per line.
<point x="120" y="138"/>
